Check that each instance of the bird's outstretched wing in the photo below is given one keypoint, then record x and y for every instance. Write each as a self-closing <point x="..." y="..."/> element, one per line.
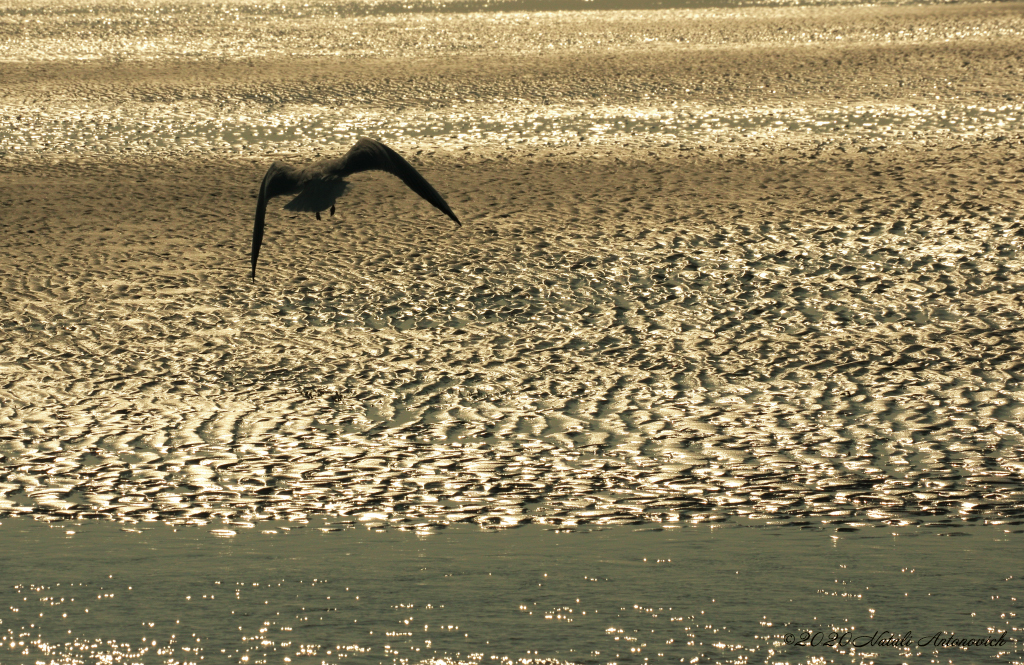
<point x="370" y="155"/>
<point x="279" y="180"/>
<point x="365" y="155"/>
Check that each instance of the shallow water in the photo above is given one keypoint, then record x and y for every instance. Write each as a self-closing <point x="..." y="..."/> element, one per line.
<point x="249" y="80"/>
<point x="283" y="593"/>
<point x="152" y="30"/>
<point x="189" y="131"/>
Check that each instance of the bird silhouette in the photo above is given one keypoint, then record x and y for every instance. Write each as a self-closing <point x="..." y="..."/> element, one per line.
<point x="316" y="187"/>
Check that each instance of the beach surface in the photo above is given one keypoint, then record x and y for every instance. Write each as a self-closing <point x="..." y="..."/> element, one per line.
<point x="730" y="333"/>
<point x="715" y="262"/>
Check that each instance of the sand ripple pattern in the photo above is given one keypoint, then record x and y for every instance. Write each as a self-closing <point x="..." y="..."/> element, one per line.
<point x="716" y="262"/>
<point x="825" y="331"/>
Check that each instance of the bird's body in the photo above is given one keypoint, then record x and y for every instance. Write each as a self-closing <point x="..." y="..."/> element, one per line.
<point x="316" y="187"/>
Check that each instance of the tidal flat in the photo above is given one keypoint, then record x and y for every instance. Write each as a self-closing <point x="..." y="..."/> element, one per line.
<point x="722" y="265"/>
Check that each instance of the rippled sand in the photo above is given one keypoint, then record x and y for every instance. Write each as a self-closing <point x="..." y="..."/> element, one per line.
<point x="696" y="279"/>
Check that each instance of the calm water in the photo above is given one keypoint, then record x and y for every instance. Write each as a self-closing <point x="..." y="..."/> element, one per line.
<point x="284" y="593"/>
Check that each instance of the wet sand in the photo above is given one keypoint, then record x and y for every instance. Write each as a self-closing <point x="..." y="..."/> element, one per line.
<point x="749" y="272"/>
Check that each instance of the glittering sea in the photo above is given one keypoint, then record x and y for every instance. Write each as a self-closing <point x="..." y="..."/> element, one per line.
<point x="726" y="351"/>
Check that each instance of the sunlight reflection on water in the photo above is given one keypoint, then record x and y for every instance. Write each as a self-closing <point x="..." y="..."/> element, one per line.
<point x="189" y="130"/>
<point x="625" y="595"/>
<point x="157" y="30"/>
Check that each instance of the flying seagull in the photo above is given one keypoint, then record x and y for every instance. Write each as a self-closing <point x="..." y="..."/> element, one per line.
<point x="318" y="185"/>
